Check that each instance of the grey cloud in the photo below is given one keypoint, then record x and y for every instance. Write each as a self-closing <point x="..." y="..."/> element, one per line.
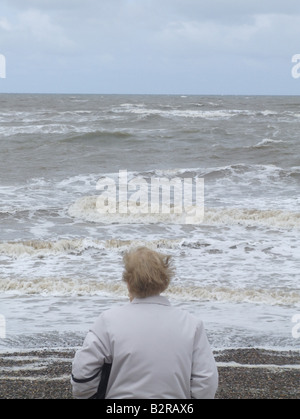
<point x="162" y="37"/>
<point x="190" y="7"/>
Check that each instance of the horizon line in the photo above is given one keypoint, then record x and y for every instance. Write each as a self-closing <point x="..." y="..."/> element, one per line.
<point x="152" y="94"/>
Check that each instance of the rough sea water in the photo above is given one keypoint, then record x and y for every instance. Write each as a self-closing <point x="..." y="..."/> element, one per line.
<point x="61" y="259"/>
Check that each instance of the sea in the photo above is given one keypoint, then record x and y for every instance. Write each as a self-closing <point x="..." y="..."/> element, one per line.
<point x="61" y="259"/>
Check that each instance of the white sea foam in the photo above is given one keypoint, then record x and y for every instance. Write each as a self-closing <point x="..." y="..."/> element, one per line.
<point x="171" y="113"/>
<point x="61" y="287"/>
<point x="77" y="287"/>
<point x="266" y="142"/>
<point x="271" y="367"/>
<point x="86" y="208"/>
<point x="253" y="217"/>
<point x="39" y="249"/>
<point x="224" y="294"/>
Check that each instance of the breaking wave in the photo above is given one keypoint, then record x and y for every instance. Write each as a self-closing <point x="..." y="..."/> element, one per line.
<point x="77" y="287"/>
<point x="37" y="248"/>
<point x="86" y="208"/>
<point x="196" y="112"/>
<point x="268" y="142"/>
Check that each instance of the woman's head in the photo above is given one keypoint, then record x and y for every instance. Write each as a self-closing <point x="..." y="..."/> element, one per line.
<point x="147" y="273"/>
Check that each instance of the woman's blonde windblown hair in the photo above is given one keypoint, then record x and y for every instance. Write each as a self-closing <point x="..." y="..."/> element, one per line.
<point x="147" y="273"/>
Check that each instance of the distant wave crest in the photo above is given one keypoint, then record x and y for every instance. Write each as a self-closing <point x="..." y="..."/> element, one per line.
<point x="86" y="208"/>
<point x="78" y="287"/>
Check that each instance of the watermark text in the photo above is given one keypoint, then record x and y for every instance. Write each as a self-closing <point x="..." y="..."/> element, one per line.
<point x="2" y="327"/>
<point x="296" y="67"/>
<point x="2" y="67"/>
<point x="180" y="198"/>
<point x="296" y="328"/>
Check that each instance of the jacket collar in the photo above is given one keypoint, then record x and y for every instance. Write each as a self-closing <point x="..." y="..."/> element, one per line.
<point x="156" y="299"/>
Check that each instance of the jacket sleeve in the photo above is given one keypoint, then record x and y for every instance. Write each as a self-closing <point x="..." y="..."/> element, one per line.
<point x="204" y="380"/>
<point x="89" y="360"/>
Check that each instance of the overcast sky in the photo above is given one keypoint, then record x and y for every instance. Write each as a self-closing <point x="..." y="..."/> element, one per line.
<point x="150" y="46"/>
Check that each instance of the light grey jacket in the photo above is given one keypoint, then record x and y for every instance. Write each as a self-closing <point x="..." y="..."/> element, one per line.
<point x="157" y="352"/>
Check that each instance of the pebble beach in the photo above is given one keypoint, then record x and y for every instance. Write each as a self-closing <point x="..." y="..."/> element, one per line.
<point x="244" y="374"/>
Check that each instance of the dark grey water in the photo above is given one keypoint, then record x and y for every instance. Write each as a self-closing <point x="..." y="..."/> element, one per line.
<point x="239" y="269"/>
